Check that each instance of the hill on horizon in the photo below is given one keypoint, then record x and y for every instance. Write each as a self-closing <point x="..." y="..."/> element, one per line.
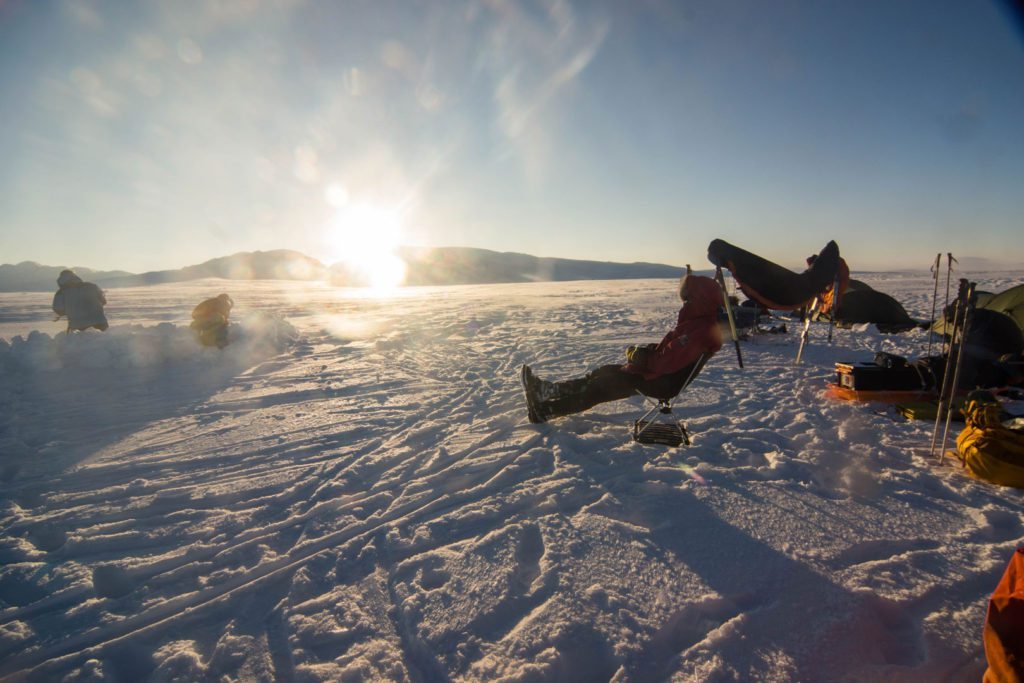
<point x="471" y="266"/>
<point x="29" y="276"/>
<point x="278" y="264"/>
<point x="426" y="266"/>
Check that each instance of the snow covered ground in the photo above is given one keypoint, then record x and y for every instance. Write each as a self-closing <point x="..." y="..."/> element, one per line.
<point x="350" y="491"/>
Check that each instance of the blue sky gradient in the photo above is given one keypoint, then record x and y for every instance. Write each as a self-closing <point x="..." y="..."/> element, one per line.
<point x="158" y="134"/>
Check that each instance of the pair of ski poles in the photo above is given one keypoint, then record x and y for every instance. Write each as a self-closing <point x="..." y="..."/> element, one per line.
<point x="961" y="324"/>
<point x="935" y="293"/>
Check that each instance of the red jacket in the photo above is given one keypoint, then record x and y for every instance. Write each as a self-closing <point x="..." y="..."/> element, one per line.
<point x="1004" y="624"/>
<point x="696" y="331"/>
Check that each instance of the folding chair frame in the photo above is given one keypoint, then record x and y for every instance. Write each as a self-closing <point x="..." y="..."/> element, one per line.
<point x="665" y="432"/>
<point x="672" y="433"/>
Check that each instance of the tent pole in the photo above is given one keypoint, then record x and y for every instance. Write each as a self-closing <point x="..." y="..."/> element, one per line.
<point x="720" y="277"/>
<point x="807" y="326"/>
<point x="959" y="363"/>
<point x="935" y="296"/>
<point x="947" y="374"/>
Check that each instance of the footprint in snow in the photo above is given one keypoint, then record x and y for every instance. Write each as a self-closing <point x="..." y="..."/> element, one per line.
<point x="997" y="525"/>
<point x="112" y="581"/>
<point x="47" y="537"/>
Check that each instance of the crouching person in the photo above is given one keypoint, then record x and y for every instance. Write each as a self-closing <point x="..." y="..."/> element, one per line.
<point x="654" y="369"/>
<point x="82" y="303"/>
<point x="210" y="321"/>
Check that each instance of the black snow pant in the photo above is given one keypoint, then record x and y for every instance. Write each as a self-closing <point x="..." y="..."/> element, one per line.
<point x="609" y="383"/>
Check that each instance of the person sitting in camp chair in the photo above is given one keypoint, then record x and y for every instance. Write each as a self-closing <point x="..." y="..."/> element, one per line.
<point x="654" y="370"/>
<point x="210" y="320"/>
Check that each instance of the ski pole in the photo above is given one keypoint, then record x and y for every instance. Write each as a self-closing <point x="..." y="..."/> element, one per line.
<point x="720" y="277"/>
<point x="959" y="363"/>
<point x="807" y="327"/>
<point x="949" y="272"/>
<point x="935" y="295"/>
<point x="947" y="374"/>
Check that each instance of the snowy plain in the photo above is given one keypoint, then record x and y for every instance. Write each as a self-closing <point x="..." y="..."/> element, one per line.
<point x="351" y="491"/>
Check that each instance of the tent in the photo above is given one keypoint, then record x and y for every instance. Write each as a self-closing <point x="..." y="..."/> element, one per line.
<point x="1009" y="302"/>
<point x="861" y="304"/>
<point x="866" y="305"/>
<point x="997" y="323"/>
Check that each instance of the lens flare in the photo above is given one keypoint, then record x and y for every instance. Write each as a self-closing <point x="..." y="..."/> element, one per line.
<point x="364" y="238"/>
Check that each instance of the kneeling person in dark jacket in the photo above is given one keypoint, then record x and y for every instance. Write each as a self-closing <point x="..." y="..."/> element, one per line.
<point x="210" y="320"/>
<point x="662" y="368"/>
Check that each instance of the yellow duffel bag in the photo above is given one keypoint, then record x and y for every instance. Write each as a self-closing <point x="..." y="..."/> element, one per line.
<point x="987" y="449"/>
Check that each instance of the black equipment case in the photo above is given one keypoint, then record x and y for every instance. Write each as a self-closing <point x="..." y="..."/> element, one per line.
<point x="868" y="376"/>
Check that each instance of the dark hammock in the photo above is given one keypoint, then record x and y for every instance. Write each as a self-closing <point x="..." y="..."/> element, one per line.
<point x="770" y="284"/>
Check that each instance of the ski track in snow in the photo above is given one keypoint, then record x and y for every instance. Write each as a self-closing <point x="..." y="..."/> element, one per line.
<point x="366" y="499"/>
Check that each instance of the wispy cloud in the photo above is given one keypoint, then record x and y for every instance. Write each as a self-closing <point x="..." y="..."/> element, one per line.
<point x="230" y="119"/>
<point x="535" y="56"/>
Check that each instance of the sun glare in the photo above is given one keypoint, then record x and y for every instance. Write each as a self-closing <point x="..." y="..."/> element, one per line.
<point x="364" y="237"/>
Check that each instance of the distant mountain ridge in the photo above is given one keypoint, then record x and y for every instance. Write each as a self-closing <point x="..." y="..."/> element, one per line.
<point x="470" y="266"/>
<point x="279" y="264"/>
<point x="426" y="266"/>
<point x="29" y="276"/>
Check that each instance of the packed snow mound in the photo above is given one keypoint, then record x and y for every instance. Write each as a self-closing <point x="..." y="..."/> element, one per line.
<point x="255" y="336"/>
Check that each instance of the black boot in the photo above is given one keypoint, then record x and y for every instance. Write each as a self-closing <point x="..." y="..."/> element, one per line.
<point x="558" y="399"/>
<point x="531" y="390"/>
<point x="545" y="400"/>
<point x="565" y="398"/>
<point x="606" y="383"/>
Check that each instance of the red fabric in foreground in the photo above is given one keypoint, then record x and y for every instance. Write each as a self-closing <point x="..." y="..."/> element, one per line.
<point x="1004" y="625"/>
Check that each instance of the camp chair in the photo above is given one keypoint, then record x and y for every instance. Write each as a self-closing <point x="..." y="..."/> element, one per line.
<point x="658" y="426"/>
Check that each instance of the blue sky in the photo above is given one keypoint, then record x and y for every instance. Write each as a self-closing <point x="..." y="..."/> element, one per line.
<point x="159" y="134"/>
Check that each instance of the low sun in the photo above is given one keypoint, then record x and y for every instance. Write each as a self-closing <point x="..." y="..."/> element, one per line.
<point x="364" y="237"/>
